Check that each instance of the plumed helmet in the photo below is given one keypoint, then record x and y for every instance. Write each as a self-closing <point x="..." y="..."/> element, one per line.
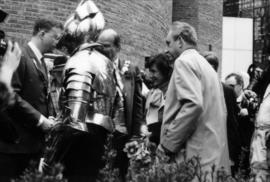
<point x="86" y="20"/>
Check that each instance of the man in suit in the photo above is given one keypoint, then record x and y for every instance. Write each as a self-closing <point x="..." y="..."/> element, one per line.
<point x="26" y="119"/>
<point x="128" y="124"/>
<point x="194" y="121"/>
<point x="246" y="116"/>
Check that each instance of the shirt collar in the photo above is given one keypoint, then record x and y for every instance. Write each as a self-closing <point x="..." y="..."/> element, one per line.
<point x="116" y="63"/>
<point x="36" y="51"/>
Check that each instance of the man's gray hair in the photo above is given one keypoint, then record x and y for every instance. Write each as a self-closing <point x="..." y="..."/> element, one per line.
<point x="185" y="31"/>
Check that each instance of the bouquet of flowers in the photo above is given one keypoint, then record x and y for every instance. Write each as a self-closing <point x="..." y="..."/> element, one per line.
<point x="250" y="102"/>
<point x="141" y="152"/>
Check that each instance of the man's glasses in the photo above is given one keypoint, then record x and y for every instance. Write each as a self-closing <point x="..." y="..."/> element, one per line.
<point x="232" y="85"/>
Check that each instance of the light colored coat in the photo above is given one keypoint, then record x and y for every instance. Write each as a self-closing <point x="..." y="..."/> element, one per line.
<point x="195" y="113"/>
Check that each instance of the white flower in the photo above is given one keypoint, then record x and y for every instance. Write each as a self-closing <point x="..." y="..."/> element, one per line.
<point x="125" y="68"/>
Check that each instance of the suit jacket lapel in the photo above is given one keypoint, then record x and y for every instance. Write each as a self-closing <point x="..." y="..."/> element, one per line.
<point x="125" y="81"/>
<point x="128" y="93"/>
<point x="41" y="67"/>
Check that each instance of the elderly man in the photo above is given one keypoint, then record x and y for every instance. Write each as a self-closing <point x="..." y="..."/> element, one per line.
<point x="129" y="120"/>
<point x="194" y="120"/>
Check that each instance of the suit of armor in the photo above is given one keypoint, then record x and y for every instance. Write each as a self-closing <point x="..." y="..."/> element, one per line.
<point x="89" y="99"/>
<point x="90" y="89"/>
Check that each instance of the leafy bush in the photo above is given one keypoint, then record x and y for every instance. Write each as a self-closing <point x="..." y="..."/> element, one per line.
<point x="32" y="174"/>
<point x="144" y="167"/>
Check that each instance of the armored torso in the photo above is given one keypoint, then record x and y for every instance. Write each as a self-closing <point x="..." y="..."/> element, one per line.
<point x="90" y="89"/>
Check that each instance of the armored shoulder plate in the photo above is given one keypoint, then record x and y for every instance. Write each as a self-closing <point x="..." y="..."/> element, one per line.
<point x="90" y="89"/>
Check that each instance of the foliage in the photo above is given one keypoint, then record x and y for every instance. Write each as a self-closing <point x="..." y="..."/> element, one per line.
<point x="108" y="173"/>
<point x="32" y="174"/>
<point x="144" y="167"/>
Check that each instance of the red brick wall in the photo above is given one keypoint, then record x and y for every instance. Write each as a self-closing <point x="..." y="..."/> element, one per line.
<point x="142" y="24"/>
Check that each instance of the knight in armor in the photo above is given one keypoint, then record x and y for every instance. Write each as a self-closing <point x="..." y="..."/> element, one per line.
<point x="90" y="98"/>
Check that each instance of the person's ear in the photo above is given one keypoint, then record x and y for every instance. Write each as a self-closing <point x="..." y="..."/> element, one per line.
<point x="180" y="41"/>
<point x="118" y="49"/>
<point x="41" y="34"/>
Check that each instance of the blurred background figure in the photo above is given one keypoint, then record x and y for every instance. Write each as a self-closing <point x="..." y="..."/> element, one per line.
<point x="246" y="78"/>
<point x="259" y="80"/>
<point x="9" y="63"/>
<point x="233" y="135"/>
<point x="10" y="55"/>
<point x="159" y="73"/>
<point x="247" y="104"/>
<point x="56" y="85"/>
<point x="260" y="145"/>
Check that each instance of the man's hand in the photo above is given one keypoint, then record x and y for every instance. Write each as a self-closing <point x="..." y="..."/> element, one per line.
<point x="144" y="131"/>
<point x="243" y="112"/>
<point x="161" y="154"/>
<point x="47" y="124"/>
<point x="249" y="94"/>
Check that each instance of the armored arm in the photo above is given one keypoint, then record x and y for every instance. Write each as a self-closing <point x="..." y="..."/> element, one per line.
<point x="78" y="90"/>
<point x="90" y="90"/>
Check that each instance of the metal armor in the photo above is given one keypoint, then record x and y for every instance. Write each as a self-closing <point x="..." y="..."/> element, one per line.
<point x="90" y="89"/>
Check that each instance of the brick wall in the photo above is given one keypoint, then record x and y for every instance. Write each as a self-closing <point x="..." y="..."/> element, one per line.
<point x="142" y="24"/>
<point x="23" y="13"/>
<point x="206" y="17"/>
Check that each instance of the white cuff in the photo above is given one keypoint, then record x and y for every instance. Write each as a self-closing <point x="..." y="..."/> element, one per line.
<point x="41" y="120"/>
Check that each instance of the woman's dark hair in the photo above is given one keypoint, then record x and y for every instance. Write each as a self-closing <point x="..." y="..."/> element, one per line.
<point x="163" y="64"/>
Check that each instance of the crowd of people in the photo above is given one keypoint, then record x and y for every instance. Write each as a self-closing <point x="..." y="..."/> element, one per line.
<point x="70" y="83"/>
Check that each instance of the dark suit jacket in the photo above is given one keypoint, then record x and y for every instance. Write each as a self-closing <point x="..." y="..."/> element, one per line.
<point x="233" y="130"/>
<point x="19" y="120"/>
<point x="259" y="83"/>
<point x="133" y="99"/>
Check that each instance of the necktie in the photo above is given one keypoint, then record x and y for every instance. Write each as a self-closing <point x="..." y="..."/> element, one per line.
<point x="118" y="78"/>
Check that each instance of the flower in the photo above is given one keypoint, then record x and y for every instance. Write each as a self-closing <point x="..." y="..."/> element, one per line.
<point x="140" y="153"/>
<point x="125" y="69"/>
<point x="132" y="149"/>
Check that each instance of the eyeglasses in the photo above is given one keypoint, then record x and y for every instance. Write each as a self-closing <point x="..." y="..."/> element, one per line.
<point x="232" y="85"/>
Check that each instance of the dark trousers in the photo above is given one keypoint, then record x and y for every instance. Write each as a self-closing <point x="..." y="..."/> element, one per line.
<point x="82" y="157"/>
<point x="121" y="161"/>
<point x="13" y="165"/>
<point x="155" y="129"/>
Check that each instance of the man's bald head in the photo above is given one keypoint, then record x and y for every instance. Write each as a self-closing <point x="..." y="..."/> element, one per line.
<point x="111" y="43"/>
<point x="109" y="37"/>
